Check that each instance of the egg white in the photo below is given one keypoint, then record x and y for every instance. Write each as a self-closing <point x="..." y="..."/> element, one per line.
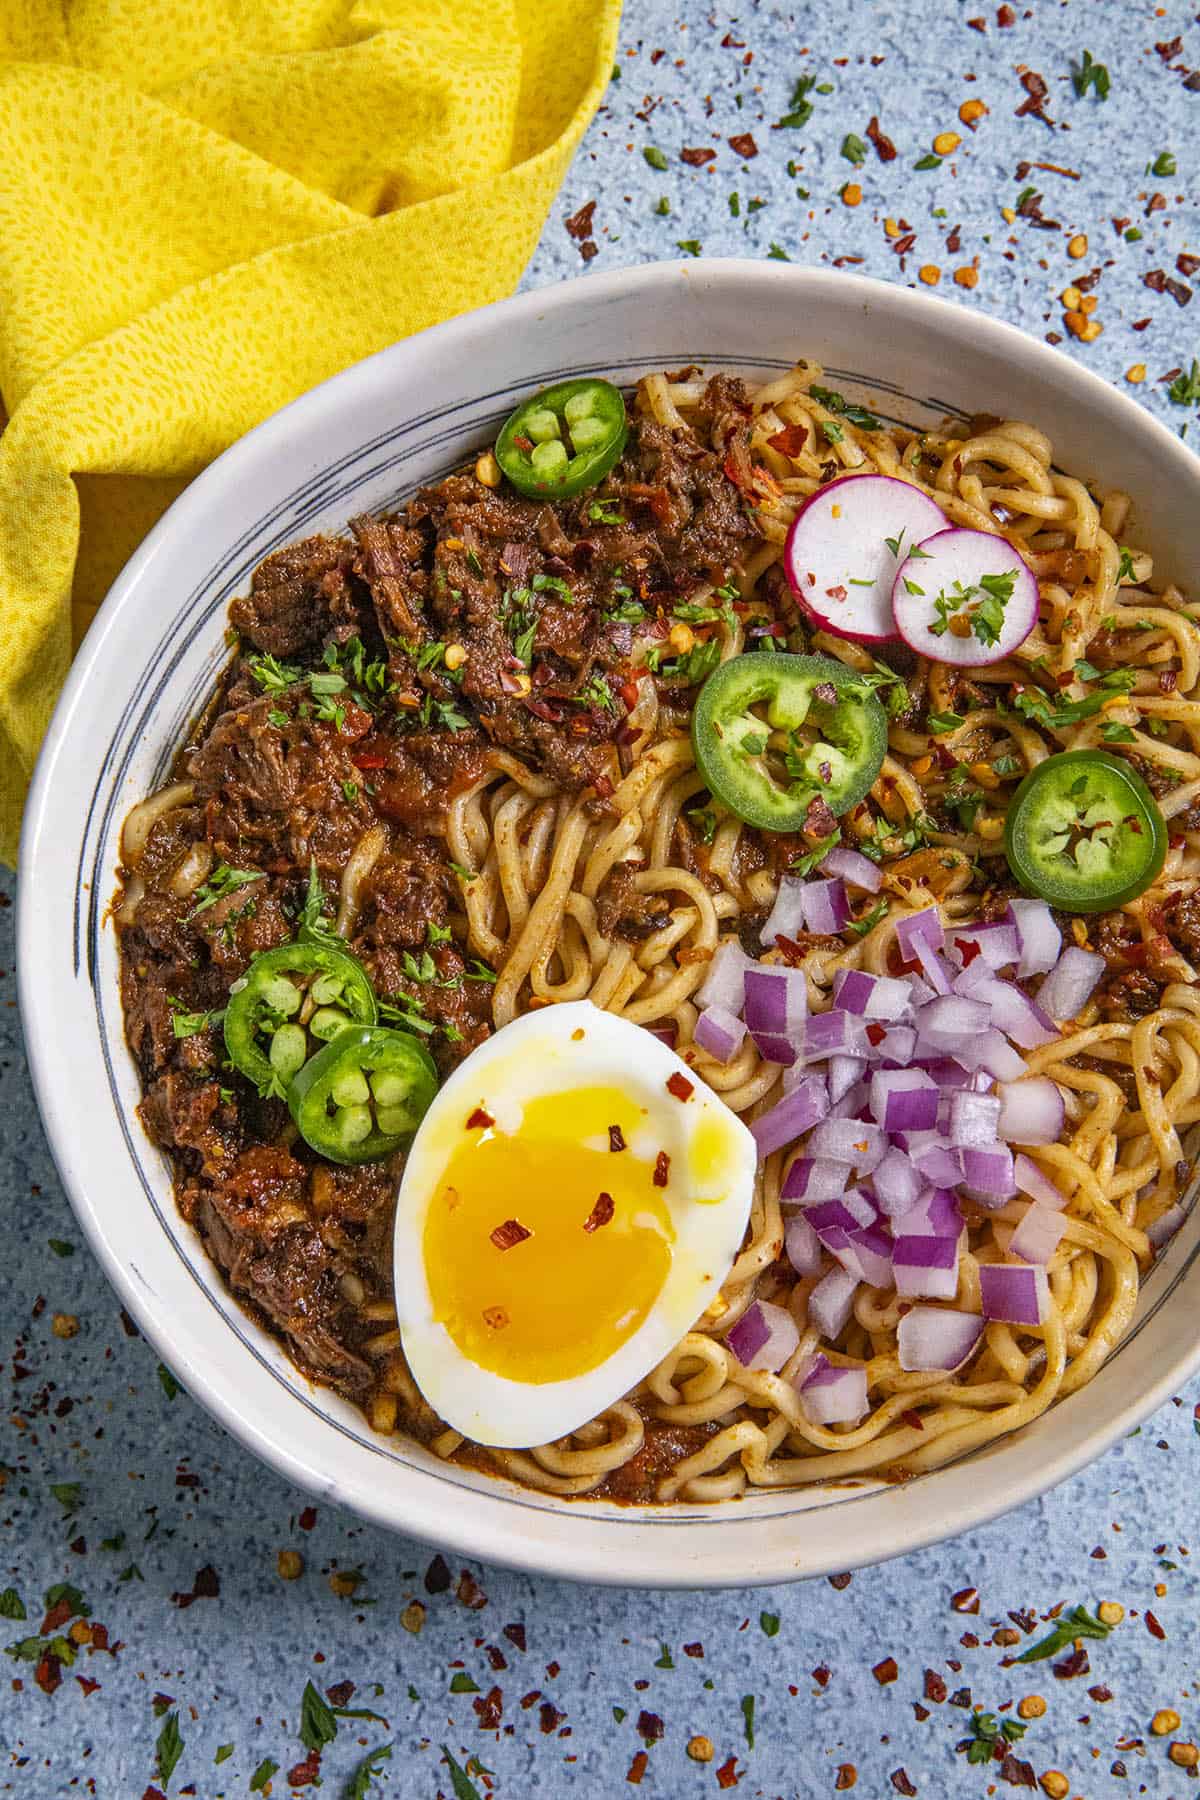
<point x="708" y="1199"/>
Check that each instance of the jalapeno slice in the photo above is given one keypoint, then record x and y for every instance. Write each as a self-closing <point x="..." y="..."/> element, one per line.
<point x="564" y="439"/>
<point x="288" y="1002"/>
<point x="772" y="732"/>
<point x="1084" y="833"/>
<point x="364" y="1094"/>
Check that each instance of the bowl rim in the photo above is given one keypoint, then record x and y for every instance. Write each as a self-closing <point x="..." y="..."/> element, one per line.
<point x="480" y="1524"/>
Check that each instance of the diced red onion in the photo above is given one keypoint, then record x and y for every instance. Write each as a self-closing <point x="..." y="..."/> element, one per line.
<point x="720" y="1033"/>
<point x="1031" y="1111"/>
<point x="1165" y="1226"/>
<point x="786" y="917"/>
<point x="830" y="1302"/>
<point x="795" y="1114"/>
<point x="947" y="1072"/>
<point x="802" y="1245"/>
<point x="854" y="867"/>
<point x="937" y="1337"/>
<point x="992" y="1051"/>
<point x="936" y="1214"/>
<point x="1030" y="1180"/>
<point x="843" y="1073"/>
<point x="724" y="985"/>
<point x="1037" y="1236"/>
<point x="919" y="991"/>
<point x="995" y="944"/>
<point x="851" y="1211"/>
<point x="1039" y="937"/>
<point x="666" y="1034"/>
<point x="825" y="906"/>
<point x="973" y="976"/>
<point x="925" y="1267"/>
<point x="988" y="1176"/>
<point x="834" y="1396"/>
<point x="833" y="1033"/>
<point x="896" y="1183"/>
<point x="939" y="1163"/>
<point x="904" y="1100"/>
<point x="1068" y="987"/>
<point x="1019" y="1017"/>
<point x="934" y="968"/>
<point x="871" y="996"/>
<point x="949" y="1021"/>
<point x="973" y="1119"/>
<point x="764" y="1337"/>
<point x="1017" y="1296"/>
<point x="873" y="1253"/>
<point x="846" y="1140"/>
<point x="891" y="1044"/>
<point x="776" y="1005"/>
<point x="924" y="927"/>
<point x="809" y="1181"/>
<point x="853" y="1103"/>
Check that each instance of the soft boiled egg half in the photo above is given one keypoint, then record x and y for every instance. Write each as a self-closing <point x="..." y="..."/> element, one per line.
<point x="571" y="1204"/>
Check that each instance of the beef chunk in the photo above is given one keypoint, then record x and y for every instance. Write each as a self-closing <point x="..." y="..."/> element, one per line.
<point x="302" y="597"/>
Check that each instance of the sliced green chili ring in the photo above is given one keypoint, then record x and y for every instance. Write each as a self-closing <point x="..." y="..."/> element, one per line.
<point x="267" y="1027"/>
<point x="774" y="732"/>
<point x="564" y="439"/>
<point x="1083" y="831"/>
<point x="364" y="1094"/>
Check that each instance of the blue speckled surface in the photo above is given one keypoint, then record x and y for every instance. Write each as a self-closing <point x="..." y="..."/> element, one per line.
<point x="163" y="1494"/>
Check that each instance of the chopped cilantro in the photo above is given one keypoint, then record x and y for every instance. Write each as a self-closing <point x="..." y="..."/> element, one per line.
<point x="1075" y="1624"/>
<point x="221" y="882"/>
<point x="1007" y="765"/>
<point x="132" y="1573"/>
<point x="402" y="1009"/>
<point x="800" y="109"/>
<point x="664" y="1660"/>
<point x="68" y="1494"/>
<point x="1090" y="74"/>
<point x="769" y="1624"/>
<point x="224" y="1752"/>
<point x="318" y="1726"/>
<point x="868" y="922"/>
<point x="1163" y="164"/>
<point x="832" y="431"/>
<point x="605" y="512"/>
<point x="272" y="676"/>
<point x="985" y="601"/>
<point x="928" y="161"/>
<point x="167" y="1382"/>
<point x="735" y="206"/>
<point x="61" y="1247"/>
<point x="262" y="1775"/>
<point x="704" y="822"/>
<point x="987" y="1735"/>
<point x="748" y="1719"/>
<point x="853" y="149"/>
<point x="168" y="1749"/>
<point x="186" y="1024"/>
<point x="479" y="971"/>
<point x="690" y="246"/>
<point x="777" y="253"/>
<point x="464" y="1787"/>
<point x="1113" y="732"/>
<point x="853" y="414"/>
<point x="368" y="1769"/>
<point x="946" y="721"/>
<point x="462" y="1683"/>
<point x="1185" y="389"/>
<point x="663" y="208"/>
<point x="655" y="157"/>
<point x="805" y="863"/>
<point x="553" y="584"/>
<point x="11" y="1605"/>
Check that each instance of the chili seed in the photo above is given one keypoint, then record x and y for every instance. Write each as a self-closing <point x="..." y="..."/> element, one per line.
<point x="290" y="1565"/>
<point x="541" y="427"/>
<point x="413" y="1617"/>
<point x="289" y="1050"/>
<point x="1055" y="1784"/>
<point x="1031" y="1707"/>
<point x="852" y="194"/>
<point x="1070" y="298"/>
<point x="1110" y="1612"/>
<point x="967" y="277"/>
<point x="325" y="1023"/>
<point x="344" y="1582"/>
<point x="700" y="1749"/>
<point x="930" y="274"/>
<point x="971" y="111"/>
<point x="1184" y="1756"/>
<point x="681" y="639"/>
<point x="456" y="655"/>
<point x="349" y="1088"/>
<point x="65" y="1325"/>
<point x="549" y="458"/>
<point x="487" y="470"/>
<point x="1078" y="246"/>
<point x="1135" y="373"/>
<point x="1165" y="1721"/>
<point x="945" y="142"/>
<point x="847" y="1776"/>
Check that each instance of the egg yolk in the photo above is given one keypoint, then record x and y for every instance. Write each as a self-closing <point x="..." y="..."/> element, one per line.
<point x="545" y="1248"/>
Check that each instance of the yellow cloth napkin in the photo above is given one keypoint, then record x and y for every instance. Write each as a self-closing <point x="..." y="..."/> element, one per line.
<point x="207" y="206"/>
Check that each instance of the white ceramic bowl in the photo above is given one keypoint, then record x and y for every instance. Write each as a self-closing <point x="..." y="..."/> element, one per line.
<point x="363" y="440"/>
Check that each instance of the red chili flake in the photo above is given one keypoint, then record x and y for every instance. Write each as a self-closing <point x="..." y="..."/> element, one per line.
<point x="1153" y="1626"/>
<point x="840" y="1581"/>
<point x="966" y="1600"/>
<point x="468" y="1593"/>
<point x="1100" y="1694"/>
<point x="913" y="1419"/>
<point x="900" y="1781"/>
<point x="579" y="225"/>
<point x="1037" y="93"/>
<point x="1155" y="280"/>
<point x="1187" y="264"/>
<point x="727" y="1775"/>
<point x="306" y="1773"/>
<point x="437" y="1576"/>
<point x="921" y="1713"/>
<point x="616" y="1138"/>
<point x="662" y="1165"/>
<point x="48" y="1674"/>
<point x="693" y="1649"/>
<point x="1016" y="1772"/>
<point x="885" y="1671"/>
<point x="884" y="147"/>
<point x="589" y="249"/>
<point x="637" y="1769"/>
<point x="523" y="443"/>
<point x="1072" y="1666"/>
<point x="790" y="441"/>
<point x="821" y="1675"/>
<point x="516" y="1636"/>
<point x="528" y="1700"/>
<point x="153" y="1793"/>
<point x="100" y="1638"/>
<point x="1180" y="293"/>
<point x="340" y="1694"/>
<point x="969" y="1641"/>
<point x="836" y="593"/>
<point x="967" y="949"/>
<point x="207" y="1586"/>
<point x="1005" y="17"/>
<point x="510" y="1234"/>
<point x="600" y="1215"/>
<point x="1169" y="48"/>
<point x="59" y="1613"/>
<point x="549" y="1717"/>
<point x="496" y="1658"/>
<point x="496" y="1317"/>
<point x="680" y="1086"/>
<point x="979" y="25"/>
<point x="961" y="1696"/>
<point x="744" y="144"/>
<point x="1167" y="679"/>
<point x="696" y="159"/>
<point x="935" y="1687"/>
<point x="369" y="759"/>
<point x="603" y="788"/>
<point x="489" y="1709"/>
<point x="649" y="1727"/>
<point x="87" y="1684"/>
<point x="876" y="1034"/>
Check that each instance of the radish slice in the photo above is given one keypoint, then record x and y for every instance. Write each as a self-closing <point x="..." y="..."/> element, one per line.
<point x="838" y="558"/>
<point x="970" y="583"/>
